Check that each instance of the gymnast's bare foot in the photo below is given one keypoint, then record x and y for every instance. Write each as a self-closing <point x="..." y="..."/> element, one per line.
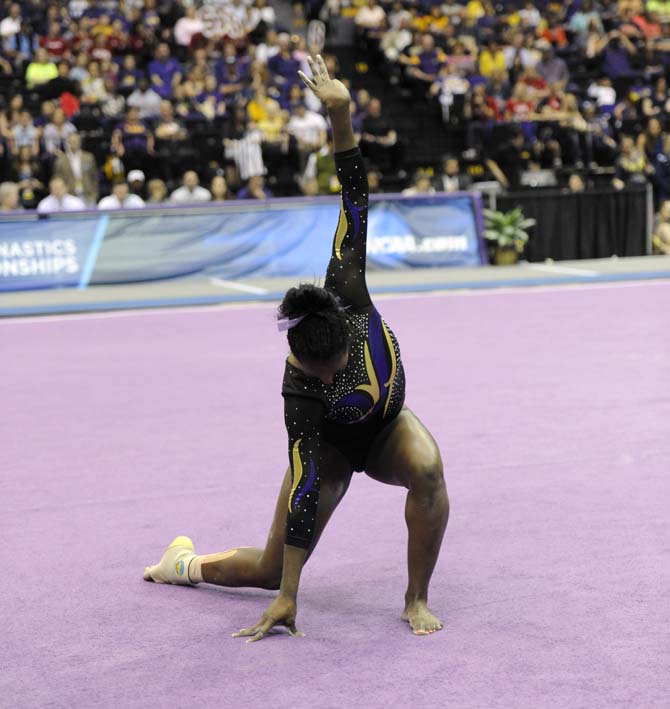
<point x="423" y="622"/>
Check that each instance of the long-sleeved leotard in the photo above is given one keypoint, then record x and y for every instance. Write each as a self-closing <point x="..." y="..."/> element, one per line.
<point x="364" y="396"/>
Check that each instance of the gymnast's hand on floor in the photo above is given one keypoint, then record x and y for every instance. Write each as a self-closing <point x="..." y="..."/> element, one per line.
<point x="330" y="91"/>
<point x="281" y="611"/>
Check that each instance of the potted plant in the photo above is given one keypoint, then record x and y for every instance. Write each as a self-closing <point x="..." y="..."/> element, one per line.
<point x="508" y="231"/>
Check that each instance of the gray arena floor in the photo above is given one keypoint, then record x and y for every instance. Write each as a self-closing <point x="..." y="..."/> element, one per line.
<point x="213" y="291"/>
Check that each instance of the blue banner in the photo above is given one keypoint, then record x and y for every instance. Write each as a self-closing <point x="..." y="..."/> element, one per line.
<point x="285" y="237"/>
<point x="49" y="253"/>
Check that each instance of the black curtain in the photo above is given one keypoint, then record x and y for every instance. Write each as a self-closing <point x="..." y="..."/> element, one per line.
<point x="594" y="224"/>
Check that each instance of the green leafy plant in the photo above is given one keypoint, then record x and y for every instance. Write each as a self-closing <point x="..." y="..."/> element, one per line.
<point x="507" y="229"/>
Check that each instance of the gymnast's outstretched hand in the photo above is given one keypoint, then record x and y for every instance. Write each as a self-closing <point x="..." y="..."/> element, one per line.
<point x="281" y="611"/>
<point x="332" y="92"/>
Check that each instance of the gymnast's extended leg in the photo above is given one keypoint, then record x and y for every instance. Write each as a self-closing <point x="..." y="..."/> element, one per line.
<point x="406" y="454"/>
<point x="253" y="566"/>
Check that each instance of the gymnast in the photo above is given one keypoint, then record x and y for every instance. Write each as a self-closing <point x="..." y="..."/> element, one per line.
<point x="344" y="391"/>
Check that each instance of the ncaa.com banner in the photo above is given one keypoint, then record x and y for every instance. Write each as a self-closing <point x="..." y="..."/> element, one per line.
<point x="284" y="237"/>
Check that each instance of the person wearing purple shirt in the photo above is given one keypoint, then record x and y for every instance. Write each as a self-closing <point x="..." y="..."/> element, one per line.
<point x="284" y="66"/>
<point x="254" y="189"/>
<point x="165" y="71"/>
<point x="616" y="51"/>
<point x="231" y="68"/>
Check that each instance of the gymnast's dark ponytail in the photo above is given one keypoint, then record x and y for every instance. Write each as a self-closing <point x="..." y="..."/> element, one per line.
<point x="316" y="324"/>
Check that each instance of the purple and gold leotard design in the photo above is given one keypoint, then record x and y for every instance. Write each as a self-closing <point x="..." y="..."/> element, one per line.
<point x="366" y="395"/>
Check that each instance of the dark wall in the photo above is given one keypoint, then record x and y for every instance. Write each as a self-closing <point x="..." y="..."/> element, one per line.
<point x="594" y="224"/>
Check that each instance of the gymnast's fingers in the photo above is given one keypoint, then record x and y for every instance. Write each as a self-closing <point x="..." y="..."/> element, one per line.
<point x="323" y="69"/>
<point x="294" y="632"/>
<point x="260" y="633"/>
<point x="307" y="81"/>
<point x="247" y="631"/>
<point x="313" y="69"/>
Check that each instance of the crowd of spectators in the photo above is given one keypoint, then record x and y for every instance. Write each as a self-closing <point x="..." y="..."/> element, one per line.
<point x="122" y="103"/>
<point x="571" y="88"/>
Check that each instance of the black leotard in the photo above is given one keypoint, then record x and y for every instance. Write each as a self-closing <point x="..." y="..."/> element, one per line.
<point x="366" y="395"/>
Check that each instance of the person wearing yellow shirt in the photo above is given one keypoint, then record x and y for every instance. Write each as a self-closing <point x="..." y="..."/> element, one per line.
<point x="271" y="126"/>
<point x="40" y="70"/>
<point x="491" y="59"/>
<point x="257" y="108"/>
<point x="474" y="9"/>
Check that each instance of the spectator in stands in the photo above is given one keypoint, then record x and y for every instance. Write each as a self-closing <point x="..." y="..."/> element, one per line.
<point x="370" y="22"/>
<point x="157" y="190"/>
<point x="21" y="47"/>
<point x="374" y="180"/>
<point x="321" y="167"/>
<point x="165" y="71"/>
<point x="56" y="87"/>
<point x="168" y="128"/>
<point x="492" y="58"/>
<point x="616" y="52"/>
<point x="255" y="189"/>
<point x="114" y="105"/>
<point x="190" y="191"/>
<point x="58" y="199"/>
<point x="93" y="86"/>
<point x="55" y="45"/>
<point x="129" y="76"/>
<point x="421" y="185"/>
<point x="243" y="147"/>
<point x="40" y="69"/>
<point x="551" y="68"/>
<point x="510" y="161"/>
<point x="257" y="107"/>
<point x="379" y="141"/>
<point x="261" y="18"/>
<point x="397" y="39"/>
<point x="219" y="189"/>
<point x="9" y="197"/>
<point x="11" y="24"/>
<point x="661" y="237"/>
<point x="632" y="166"/>
<point x="585" y="18"/>
<point x="56" y="132"/>
<point x="516" y="51"/>
<point x="283" y="65"/>
<point x="186" y="28"/>
<point x="145" y="100"/>
<point x="133" y="142"/>
<point x="24" y="133"/>
<point x="78" y="170"/>
<point x="423" y="64"/>
<point x="27" y="171"/>
<point x="121" y="198"/>
<point x="309" y="129"/>
<point x="136" y="182"/>
<point x="452" y="179"/>
<point x="209" y="103"/>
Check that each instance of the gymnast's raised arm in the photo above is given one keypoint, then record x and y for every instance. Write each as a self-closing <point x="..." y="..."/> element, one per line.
<point x="346" y="270"/>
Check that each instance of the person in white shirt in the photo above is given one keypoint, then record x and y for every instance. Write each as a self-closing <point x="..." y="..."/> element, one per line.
<point x="145" y="100"/>
<point x="121" y="198"/>
<point x="59" y="200"/>
<point x="187" y="26"/>
<point x="371" y="16"/>
<point x="12" y="23"/>
<point x="190" y="191"/>
<point x="309" y="129"/>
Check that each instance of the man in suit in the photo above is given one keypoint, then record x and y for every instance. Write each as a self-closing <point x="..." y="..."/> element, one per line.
<point x="451" y="179"/>
<point x="78" y="170"/>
